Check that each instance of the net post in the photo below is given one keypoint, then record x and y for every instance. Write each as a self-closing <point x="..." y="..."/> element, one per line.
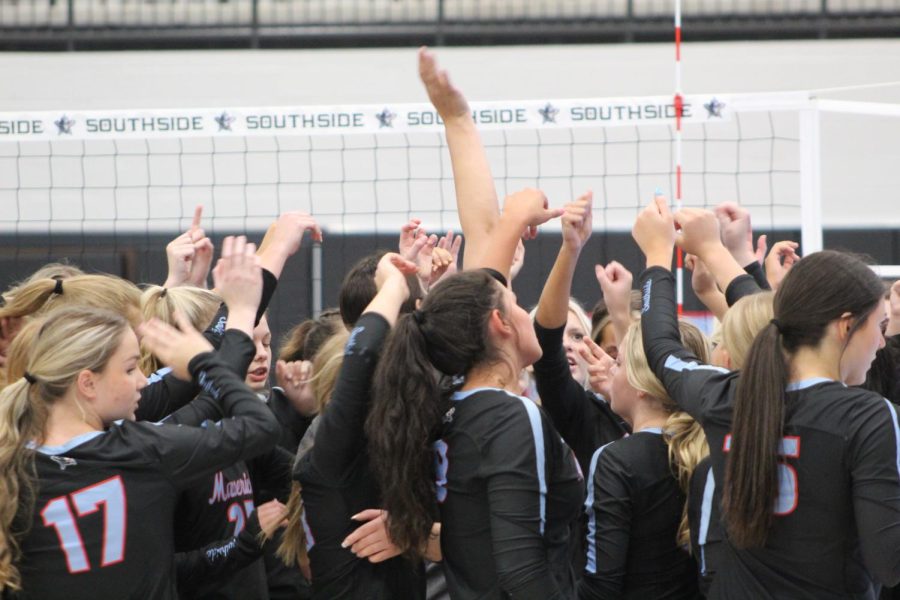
<point x="810" y="181"/>
<point x="316" y="280"/>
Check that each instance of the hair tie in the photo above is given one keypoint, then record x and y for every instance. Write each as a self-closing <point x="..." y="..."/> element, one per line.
<point x="496" y="275"/>
<point x="57" y="289"/>
<point x="777" y="325"/>
<point x="31" y="379"/>
<point x="163" y="293"/>
<point x="419" y="317"/>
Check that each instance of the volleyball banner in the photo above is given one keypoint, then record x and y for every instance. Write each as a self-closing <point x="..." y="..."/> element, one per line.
<point x="330" y="120"/>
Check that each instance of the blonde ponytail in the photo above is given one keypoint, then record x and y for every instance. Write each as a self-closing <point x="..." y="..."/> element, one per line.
<point x="684" y="436"/>
<point x="21" y="420"/>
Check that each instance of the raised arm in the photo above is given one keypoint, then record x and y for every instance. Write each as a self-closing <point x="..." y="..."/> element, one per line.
<point x="476" y="196"/>
<point x="282" y="240"/>
<point x="561" y="396"/>
<point x="615" y="281"/>
<point x="682" y="374"/>
<point x="186" y="454"/>
<point x="340" y="438"/>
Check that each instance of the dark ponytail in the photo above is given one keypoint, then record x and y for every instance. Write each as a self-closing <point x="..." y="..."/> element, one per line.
<point x="447" y="335"/>
<point x="817" y="291"/>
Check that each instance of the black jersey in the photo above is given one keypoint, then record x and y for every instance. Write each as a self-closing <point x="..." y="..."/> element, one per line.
<point x="838" y="510"/>
<point x="509" y="492"/>
<point x="705" y="518"/>
<point x="219" y="507"/>
<point x="102" y="523"/>
<point x="583" y="418"/>
<point x="293" y="424"/>
<point x="634" y="508"/>
<point x="337" y="483"/>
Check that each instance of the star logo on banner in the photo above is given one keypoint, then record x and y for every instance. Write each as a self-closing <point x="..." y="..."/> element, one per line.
<point x="548" y="113"/>
<point x="64" y="125"/>
<point x="385" y="118"/>
<point x="714" y="108"/>
<point x="224" y="120"/>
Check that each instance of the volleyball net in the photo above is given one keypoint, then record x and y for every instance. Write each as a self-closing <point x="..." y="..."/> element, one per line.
<point x="106" y="188"/>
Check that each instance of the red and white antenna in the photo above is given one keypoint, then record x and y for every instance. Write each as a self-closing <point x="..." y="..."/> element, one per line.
<point x="679" y="108"/>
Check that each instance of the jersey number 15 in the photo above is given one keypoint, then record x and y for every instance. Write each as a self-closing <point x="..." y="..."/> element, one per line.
<point x="58" y="514"/>
<point x="788" y="485"/>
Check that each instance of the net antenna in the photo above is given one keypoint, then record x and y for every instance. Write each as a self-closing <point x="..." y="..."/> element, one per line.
<point x="679" y="111"/>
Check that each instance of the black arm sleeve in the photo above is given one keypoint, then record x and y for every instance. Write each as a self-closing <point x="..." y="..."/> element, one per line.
<point x="883" y="377"/>
<point x="755" y="271"/>
<point x="340" y="437"/>
<point x="694" y="386"/>
<point x="561" y="396"/>
<point x="186" y="454"/>
<point x="740" y="286"/>
<point x="609" y="529"/>
<point x="271" y="475"/>
<point x="236" y="352"/>
<point x="196" y="567"/>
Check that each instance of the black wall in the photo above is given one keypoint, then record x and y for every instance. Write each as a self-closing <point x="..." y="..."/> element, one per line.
<point x="141" y="258"/>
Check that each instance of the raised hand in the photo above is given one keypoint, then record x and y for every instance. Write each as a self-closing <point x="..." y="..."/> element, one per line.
<point x="238" y="280"/>
<point x="654" y="232"/>
<point x="294" y="378"/>
<point x="446" y="99"/>
<point x="392" y="269"/>
<point x="412" y="239"/>
<point x="441" y="263"/>
<point x="699" y="231"/>
<point x="702" y="280"/>
<point x="203" y="251"/>
<point x="780" y="261"/>
<point x="529" y="207"/>
<point x="576" y="223"/>
<point x="762" y="247"/>
<point x="451" y="243"/>
<point x="179" y="256"/>
<point x="615" y="281"/>
<point x="371" y="539"/>
<point x="737" y="234"/>
<point x="282" y="240"/>
<point x="704" y="284"/>
<point x="599" y="364"/>
<point x="174" y="347"/>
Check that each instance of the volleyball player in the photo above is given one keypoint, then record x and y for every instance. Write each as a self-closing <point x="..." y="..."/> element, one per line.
<point x="637" y="525"/>
<point x="809" y="466"/>
<point x="97" y="521"/>
<point x="334" y="475"/>
<point x="585" y="420"/>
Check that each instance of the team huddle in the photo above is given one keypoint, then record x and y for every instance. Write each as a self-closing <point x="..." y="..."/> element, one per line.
<point x="430" y="438"/>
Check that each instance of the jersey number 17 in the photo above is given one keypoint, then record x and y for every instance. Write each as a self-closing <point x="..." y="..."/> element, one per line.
<point x="58" y="514"/>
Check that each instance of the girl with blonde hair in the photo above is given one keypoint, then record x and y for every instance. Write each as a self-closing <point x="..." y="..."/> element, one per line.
<point x="637" y="523"/>
<point x="71" y="451"/>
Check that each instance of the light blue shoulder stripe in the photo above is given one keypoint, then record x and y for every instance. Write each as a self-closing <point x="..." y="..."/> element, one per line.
<point x="158" y="375"/>
<point x="591" y="566"/>
<point x="74" y="442"/>
<point x="806" y="383"/>
<point x="537" y="430"/>
<point x="676" y="364"/>
<point x="709" y="491"/>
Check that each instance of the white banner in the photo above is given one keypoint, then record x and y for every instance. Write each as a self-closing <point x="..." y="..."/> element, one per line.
<point x="402" y="118"/>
